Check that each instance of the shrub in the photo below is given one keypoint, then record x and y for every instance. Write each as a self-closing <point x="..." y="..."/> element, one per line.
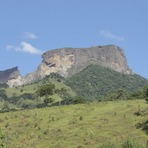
<point x="130" y="144"/>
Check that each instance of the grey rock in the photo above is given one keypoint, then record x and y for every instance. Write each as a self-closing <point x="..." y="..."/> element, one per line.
<point x="69" y="61"/>
<point x="9" y="74"/>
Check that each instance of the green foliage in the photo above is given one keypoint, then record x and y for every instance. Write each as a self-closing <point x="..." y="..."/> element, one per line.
<point x="3" y="95"/>
<point x="143" y="126"/>
<point x="4" y="85"/>
<point x="93" y="83"/>
<point x="96" y="82"/>
<point x="69" y="101"/>
<point x="28" y="96"/>
<point x="146" y="93"/>
<point x="6" y="106"/>
<point x="48" y="100"/>
<point x="26" y="104"/>
<point x="137" y="95"/>
<point x="131" y="144"/>
<point x="2" y="137"/>
<point x="46" y="90"/>
<point x="88" y="125"/>
<point x="119" y="95"/>
<point x="62" y="92"/>
<point x="25" y="97"/>
<point x="140" y="94"/>
<point x="56" y="76"/>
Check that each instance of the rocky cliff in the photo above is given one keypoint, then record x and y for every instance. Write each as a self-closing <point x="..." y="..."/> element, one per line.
<point x="69" y="61"/>
<point x="10" y="75"/>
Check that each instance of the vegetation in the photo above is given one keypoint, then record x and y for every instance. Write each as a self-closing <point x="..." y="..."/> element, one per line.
<point x="34" y="95"/>
<point x="96" y="124"/>
<point x="146" y="93"/>
<point x="97" y="108"/>
<point x="2" y="137"/>
<point x="95" y="82"/>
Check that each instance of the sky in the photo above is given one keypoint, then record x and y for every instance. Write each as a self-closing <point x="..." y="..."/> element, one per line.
<point x="29" y="28"/>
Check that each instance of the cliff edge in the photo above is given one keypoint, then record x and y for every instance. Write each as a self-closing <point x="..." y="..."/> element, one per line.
<point x="11" y="74"/>
<point x="69" y="61"/>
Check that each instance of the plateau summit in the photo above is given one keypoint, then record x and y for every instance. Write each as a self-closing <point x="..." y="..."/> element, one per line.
<point x="69" y="61"/>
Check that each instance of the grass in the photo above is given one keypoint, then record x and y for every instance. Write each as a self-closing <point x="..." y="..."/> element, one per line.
<point x="76" y="126"/>
<point x="32" y="88"/>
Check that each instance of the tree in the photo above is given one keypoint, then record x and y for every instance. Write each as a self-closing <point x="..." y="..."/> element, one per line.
<point x="26" y="104"/>
<point x="121" y="94"/>
<point x="62" y="92"/>
<point x="6" y="105"/>
<point x="3" y="95"/>
<point x="146" y="93"/>
<point x="46" y="91"/>
<point x="48" y="100"/>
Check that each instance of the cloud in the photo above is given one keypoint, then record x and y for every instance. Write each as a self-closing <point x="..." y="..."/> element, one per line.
<point x="29" y="35"/>
<point x="108" y="34"/>
<point x="25" y="47"/>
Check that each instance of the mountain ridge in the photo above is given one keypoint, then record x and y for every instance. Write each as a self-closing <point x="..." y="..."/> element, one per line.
<point x="69" y="61"/>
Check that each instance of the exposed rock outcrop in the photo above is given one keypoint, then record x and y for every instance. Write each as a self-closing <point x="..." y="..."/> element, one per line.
<point x="69" y="61"/>
<point x="10" y="74"/>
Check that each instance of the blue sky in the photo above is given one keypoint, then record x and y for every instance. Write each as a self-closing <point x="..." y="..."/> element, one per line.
<point x="30" y="27"/>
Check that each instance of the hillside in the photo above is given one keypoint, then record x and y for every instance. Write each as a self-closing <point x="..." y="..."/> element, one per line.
<point x="95" y="82"/>
<point x="64" y="103"/>
<point x="76" y="126"/>
<point x="17" y="97"/>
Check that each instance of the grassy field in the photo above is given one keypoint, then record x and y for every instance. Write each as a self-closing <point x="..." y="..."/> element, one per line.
<point x="75" y="126"/>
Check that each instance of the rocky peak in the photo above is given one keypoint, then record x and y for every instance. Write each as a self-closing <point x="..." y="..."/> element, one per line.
<point x="69" y="61"/>
<point x="9" y="74"/>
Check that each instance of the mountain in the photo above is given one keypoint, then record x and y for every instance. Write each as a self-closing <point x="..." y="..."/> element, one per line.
<point x="84" y="73"/>
<point x="95" y="82"/>
<point x="10" y="75"/>
<point x="69" y="61"/>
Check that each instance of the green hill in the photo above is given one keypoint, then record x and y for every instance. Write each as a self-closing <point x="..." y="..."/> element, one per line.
<point x="96" y="82"/>
<point x="89" y="125"/>
<point x="106" y="124"/>
<point x="26" y="95"/>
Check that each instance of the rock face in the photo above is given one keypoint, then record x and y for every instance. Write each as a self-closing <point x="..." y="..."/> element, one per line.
<point x="10" y="74"/>
<point x="69" y="61"/>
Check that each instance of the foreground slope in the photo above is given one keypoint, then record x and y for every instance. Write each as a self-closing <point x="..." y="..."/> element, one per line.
<point x="83" y="125"/>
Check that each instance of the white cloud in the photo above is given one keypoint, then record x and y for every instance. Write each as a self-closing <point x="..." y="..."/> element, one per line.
<point x="29" y="35"/>
<point x="25" y="47"/>
<point x="108" y="34"/>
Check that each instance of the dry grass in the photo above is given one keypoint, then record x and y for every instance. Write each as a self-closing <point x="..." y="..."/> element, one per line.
<point x="75" y="126"/>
